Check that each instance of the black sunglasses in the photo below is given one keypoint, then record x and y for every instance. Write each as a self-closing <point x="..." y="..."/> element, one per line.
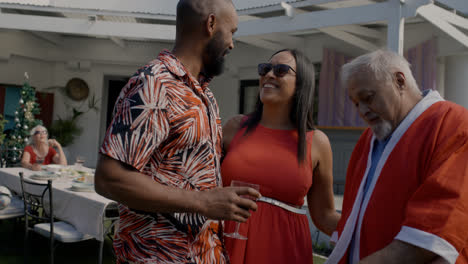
<point x="40" y="132"/>
<point x="279" y="69"/>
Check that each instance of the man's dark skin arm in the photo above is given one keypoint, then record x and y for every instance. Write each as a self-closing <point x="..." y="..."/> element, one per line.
<point x="120" y="182"/>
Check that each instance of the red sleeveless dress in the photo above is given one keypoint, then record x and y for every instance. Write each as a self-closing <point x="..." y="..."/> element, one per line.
<point x="48" y="159"/>
<point x="268" y="157"/>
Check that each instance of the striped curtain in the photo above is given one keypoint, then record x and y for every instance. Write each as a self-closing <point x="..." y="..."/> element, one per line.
<point x="423" y="60"/>
<point x="336" y="110"/>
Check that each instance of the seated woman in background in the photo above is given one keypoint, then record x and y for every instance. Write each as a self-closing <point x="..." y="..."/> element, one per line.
<point x="277" y="148"/>
<point x="41" y="151"/>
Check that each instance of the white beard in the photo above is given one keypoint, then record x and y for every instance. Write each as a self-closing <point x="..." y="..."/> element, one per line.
<point x="382" y="129"/>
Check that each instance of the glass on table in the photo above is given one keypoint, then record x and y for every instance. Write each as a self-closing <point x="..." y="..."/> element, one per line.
<point x="236" y="183"/>
<point x="80" y="160"/>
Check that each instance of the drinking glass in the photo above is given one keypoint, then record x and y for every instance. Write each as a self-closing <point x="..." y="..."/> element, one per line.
<point x="80" y="160"/>
<point x="242" y="184"/>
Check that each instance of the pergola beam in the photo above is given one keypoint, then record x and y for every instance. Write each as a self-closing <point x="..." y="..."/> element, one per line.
<point x="328" y="18"/>
<point x="163" y="7"/>
<point x="285" y="40"/>
<point x="85" y="27"/>
<point x="361" y="31"/>
<point x="448" y="16"/>
<point x="278" y="7"/>
<point x="345" y="20"/>
<point x="442" y="19"/>
<point x="301" y="4"/>
<point x="344" y="33"/>
<point x="49" y="37"/>
<point x="459" y="5"/>
<point x="119" y="42"/>
<point x="396" y="27"/>
<point x="349" y="38"/>
<point x="261" y="43"/>
<point x="317" y="19"/>
<point x="88" y="11"/>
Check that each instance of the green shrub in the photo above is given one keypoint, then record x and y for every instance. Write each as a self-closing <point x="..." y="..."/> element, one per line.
<point x="2" y="127"/>
<point x="64" y="131"/>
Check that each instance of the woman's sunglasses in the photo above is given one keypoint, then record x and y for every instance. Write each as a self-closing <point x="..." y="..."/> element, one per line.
<point x="279" y="69"/>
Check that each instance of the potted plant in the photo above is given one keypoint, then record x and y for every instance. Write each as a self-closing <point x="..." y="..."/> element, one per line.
<point x="66" y="130"/>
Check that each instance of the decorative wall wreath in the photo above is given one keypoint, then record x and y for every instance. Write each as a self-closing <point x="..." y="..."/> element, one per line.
<point x="77" y="89"/>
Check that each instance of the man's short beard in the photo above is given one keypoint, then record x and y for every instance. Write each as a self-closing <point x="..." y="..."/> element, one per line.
<point x="214" y="52"/>
<point x="382" y="129"/>
<point x="215" y="68"/>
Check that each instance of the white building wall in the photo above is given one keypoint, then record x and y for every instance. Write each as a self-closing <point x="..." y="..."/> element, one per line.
<point x="12" y="71"/>
<point x="88" y="142"/>
<point x="456" y="79"/>
<point x="48" y="66"/>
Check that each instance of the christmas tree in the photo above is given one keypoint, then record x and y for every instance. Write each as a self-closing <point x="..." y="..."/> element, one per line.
<point x="2" y="127"/>
<point x="24" y="122"/>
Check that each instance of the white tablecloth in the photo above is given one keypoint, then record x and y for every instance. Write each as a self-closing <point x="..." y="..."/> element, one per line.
<point x="84" y="210"/>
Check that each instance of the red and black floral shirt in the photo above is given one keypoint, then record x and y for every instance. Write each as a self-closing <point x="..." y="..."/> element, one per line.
<point x="166" y="125"/>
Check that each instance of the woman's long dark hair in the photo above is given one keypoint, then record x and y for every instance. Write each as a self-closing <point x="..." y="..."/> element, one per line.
<point x="301" y="114"/>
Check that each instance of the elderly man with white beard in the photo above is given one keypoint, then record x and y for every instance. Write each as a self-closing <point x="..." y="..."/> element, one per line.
<point x="406" y="193"/>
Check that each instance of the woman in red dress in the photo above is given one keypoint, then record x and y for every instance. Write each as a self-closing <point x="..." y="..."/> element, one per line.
<point x="277" y="148"/>
<point x="41" y="151"/>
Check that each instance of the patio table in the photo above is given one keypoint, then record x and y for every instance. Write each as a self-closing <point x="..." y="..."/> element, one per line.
<point x="86" y="211"/>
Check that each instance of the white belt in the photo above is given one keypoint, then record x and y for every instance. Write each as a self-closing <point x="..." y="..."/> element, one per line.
<point x="285" y="206"/>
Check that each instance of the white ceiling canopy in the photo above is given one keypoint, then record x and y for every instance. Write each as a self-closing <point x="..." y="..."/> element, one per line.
<point x="166" y="7"/>
<point x="253" y="4"/>
<point x="348" y="20"/>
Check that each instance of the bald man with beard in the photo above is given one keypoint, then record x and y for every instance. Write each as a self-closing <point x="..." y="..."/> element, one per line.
<point x="160" y="159"/>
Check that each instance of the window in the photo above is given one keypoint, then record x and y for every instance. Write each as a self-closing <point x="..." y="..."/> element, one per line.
<point x="248" y="96"/>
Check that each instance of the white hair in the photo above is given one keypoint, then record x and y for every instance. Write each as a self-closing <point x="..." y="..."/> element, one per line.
<point x="381" y="64"/>
<point x="33" y="131"/>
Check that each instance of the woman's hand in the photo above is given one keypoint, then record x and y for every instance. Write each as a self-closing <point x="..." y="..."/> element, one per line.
<point x="36" y="167"/>
<point x="54" y="143"/>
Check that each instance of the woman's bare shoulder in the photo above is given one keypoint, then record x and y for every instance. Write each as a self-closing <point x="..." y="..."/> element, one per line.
<point x="320" y="146"/>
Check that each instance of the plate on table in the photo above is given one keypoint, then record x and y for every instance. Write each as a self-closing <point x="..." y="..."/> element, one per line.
<point x="86" y="179"/>
<point x="70" y="172"/>
<point x="79" y="187"/>
<point x="52" y="167"/>
<point x="44" y="176"/>
<point x="83" y="184"/>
